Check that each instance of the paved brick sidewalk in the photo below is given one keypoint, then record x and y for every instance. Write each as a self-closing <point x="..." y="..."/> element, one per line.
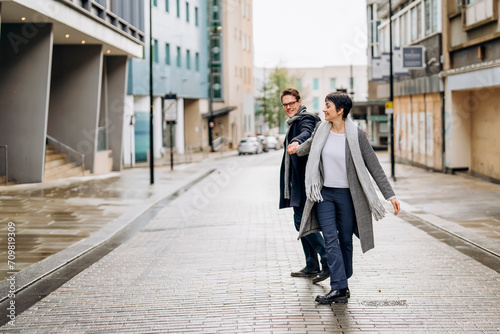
<point x="461" y="204"/>
<point x="218" y="260"/>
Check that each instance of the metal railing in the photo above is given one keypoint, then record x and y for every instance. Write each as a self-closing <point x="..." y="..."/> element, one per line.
<point x="6" y="165"/>
<point x="73" y="155"/>
<point x="219" y="143"/>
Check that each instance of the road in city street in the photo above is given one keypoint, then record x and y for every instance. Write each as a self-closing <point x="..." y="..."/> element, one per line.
<point x="217" y="259"/>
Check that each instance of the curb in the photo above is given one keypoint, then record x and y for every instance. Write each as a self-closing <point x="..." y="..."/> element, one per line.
<point x="454" y="229"/>
<point x="39" y="270"/>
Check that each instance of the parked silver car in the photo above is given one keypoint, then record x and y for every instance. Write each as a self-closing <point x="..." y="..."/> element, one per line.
<point x="272" y="143"/>
<point x="249" y="145"/>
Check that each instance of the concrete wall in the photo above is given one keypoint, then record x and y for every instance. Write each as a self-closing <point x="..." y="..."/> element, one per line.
<point x="75" y="98"/>
<point x="25" y="63"/>
<point x="485" y="134"/>
<point x="116" y="72"/>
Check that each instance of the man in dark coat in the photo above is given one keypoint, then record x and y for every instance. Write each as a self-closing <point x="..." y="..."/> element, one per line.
<point x="292" y="186"/>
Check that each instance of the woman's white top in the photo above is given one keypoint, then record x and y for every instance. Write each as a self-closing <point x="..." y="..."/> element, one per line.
<point x="333" y="156"/>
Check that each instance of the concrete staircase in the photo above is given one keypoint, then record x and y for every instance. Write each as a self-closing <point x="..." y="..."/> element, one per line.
<point x="57" y="166"/>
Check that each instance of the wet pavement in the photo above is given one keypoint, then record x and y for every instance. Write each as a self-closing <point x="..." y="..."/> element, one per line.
<point x="463" y="205"/>
<point x="218" y="258"/>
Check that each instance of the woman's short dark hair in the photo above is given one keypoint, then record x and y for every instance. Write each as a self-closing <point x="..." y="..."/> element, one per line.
<point x="341" y="100"/>
<point x="290" y="91"/>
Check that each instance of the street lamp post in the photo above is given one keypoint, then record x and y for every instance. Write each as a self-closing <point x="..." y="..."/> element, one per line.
<point x="391" y="93"/>
<point x="151" y="142"/>
<point x="210" y="99"/>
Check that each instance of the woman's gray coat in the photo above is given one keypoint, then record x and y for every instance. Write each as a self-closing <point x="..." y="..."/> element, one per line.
<point x="364" y="227"/>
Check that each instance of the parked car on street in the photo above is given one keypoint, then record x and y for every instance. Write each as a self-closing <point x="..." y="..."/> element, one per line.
<point x="272" y="143"/>
<point x="281" y="139"/>
<point x="249" y="145"/>
<point x="263" y="141"/>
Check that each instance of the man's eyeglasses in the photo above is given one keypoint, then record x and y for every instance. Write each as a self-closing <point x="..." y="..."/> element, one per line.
<point x="285" y="105"/>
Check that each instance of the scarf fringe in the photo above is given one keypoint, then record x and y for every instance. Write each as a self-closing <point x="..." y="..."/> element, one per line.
<point x="313" y="192"/>
<point x="377" y="209"/>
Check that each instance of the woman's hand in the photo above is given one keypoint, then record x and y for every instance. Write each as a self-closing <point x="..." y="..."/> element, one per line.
<point x="396" y="205"/>
<point x="292" y="148"/>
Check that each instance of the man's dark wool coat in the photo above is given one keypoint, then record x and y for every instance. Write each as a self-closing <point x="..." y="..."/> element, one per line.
<point x="299" y="131"/>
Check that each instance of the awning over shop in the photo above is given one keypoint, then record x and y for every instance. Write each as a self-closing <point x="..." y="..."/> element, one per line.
<point x="369" y="103"/>
<point x="378" y="118"/>
<point x="220" y="112"/>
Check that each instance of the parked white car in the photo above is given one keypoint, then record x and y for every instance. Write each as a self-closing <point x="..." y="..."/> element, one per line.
<point x="272" y="143"/>
<point x="249" y="145"/>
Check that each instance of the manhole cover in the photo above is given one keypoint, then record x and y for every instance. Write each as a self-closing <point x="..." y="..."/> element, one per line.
<point x="384" y="303"/>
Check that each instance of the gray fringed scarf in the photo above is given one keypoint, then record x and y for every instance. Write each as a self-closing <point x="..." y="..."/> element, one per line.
<point x="314" y="183"/>
<point x="302" y="112"/>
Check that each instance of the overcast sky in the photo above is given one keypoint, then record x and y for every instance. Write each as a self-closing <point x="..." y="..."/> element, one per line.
<point x="309" y="33"/>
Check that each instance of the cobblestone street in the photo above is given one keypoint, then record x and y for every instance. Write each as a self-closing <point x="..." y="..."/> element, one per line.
<point x="218" y="260"/>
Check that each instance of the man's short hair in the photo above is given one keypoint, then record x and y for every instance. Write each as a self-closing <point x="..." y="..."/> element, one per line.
<point x="290" y="91"/>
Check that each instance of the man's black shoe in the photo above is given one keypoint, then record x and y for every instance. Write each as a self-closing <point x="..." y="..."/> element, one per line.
<point x="334" y="296"/>
<point x="305" y="272"/>
<point x="323" y="275"/>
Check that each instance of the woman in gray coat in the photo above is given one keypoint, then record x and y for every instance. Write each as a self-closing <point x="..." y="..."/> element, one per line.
<point x="339" y="188"/>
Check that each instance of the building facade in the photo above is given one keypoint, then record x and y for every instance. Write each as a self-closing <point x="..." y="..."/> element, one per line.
<point x="201" y="59"/>
<point x="315" y="83"/>
<point x="231" y="37"/>
<point x="471" y="77"/>
<point x="64" y="74"/>
<point x="418" y="92"/>
<point x="180" y="81"/>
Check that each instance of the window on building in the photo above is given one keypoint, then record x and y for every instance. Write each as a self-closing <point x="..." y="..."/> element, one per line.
<point x="397" y="33"/>
<point x="373" y="36"/>
<point x="167" y="5"/>
<point x="167" y="54"/>
<point x="196" y="22"/>
<point x="315" y="83"/>
<point x="187" y="11"/>
<point x="155" y="3"/>
<point x="178" y="58"/>
<point x="333" y="84"/>
<point x="188" y="59"/>
<point x="404" y="29"/>
<point x="414" y="31"/>
<point x="427" y="17"/>
<point x="155" y="51"/>
<point x="197" y="61"/>
<point x="178" y="3"/>
<point x="419" y="21"/>
<point x="316" y="103"/>
<point x="435" y="16"/>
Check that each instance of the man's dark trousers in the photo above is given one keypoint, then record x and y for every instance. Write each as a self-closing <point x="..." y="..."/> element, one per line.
<point x="312" y="243"/>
